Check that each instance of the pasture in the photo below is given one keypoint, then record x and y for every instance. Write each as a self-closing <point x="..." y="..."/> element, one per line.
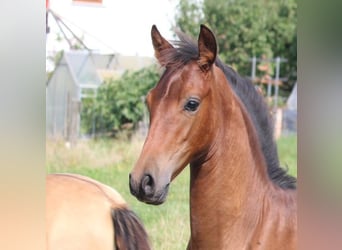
<point x="110" y="161"/>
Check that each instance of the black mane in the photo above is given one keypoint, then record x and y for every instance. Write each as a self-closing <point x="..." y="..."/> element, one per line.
<point x="186" y="50"/>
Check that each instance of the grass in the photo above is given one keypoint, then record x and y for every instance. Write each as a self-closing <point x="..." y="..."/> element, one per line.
<point x="110" y="161"/>
<point x="287" y="149"/>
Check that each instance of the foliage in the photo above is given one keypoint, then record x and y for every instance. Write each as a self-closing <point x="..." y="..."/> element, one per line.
<point x="119" y="103"/>
<point x="245" y="29"/>
<point x="189" y="16"/>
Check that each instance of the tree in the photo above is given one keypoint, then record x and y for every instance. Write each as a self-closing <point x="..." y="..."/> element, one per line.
<point x="246" y="28"/>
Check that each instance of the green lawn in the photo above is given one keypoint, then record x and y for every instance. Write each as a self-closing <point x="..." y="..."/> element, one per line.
<point x="110" y="161"/>
<point x="287" y="149"/>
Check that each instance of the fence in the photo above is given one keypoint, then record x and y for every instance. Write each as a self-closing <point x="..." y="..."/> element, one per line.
<point x="285" y="119"/>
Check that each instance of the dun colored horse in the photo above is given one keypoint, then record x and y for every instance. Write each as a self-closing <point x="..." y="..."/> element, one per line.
<point x="204" y="114"/>
<point x="82" y="214"/>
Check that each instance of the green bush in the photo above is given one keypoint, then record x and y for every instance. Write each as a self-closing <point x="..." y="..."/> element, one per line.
<point x="119" y="103"/>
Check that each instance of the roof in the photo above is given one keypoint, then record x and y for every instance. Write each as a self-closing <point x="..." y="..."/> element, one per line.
<point x="82" y="68"/>
<point x="88" y="69"/>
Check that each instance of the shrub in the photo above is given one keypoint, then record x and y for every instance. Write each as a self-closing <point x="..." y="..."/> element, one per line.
<point x="119" y="104"/>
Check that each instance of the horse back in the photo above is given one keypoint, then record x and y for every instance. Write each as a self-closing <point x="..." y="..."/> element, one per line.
<point x="82" y="213"/>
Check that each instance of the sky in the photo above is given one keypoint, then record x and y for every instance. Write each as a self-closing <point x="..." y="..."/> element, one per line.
<point x="119" y="26"/>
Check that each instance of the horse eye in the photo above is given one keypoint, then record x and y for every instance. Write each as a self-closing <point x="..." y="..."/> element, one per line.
<point x="191" y="105"/>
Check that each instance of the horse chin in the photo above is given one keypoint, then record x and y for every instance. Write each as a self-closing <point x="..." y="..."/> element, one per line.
<point x="157" y="199"/>
<point x="154" y="202"/>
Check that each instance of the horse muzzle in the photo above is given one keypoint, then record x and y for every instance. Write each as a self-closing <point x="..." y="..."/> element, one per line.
<point x="146" y="190"/>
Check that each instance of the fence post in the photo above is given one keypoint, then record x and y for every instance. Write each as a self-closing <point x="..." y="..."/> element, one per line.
<point x="276" y="90"/>
<point x="278" y="118"/>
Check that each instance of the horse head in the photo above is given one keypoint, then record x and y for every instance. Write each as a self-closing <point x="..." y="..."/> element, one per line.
<point x="182" y="116"/>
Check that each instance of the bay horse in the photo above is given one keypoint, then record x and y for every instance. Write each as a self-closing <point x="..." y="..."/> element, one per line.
<point x="204" y="114"/>
<point x="84" y="214"/>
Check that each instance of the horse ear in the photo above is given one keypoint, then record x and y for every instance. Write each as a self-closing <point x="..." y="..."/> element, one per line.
<point x="159" y="42"/>
<point x="207" y="48"/>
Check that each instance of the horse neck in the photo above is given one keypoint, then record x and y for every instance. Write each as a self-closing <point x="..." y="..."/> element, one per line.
<point x="227" y="186"/>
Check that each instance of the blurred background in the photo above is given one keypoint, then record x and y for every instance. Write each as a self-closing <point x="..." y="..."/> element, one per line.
<point x="100" y="61"/>
<point x="100" y="66"/>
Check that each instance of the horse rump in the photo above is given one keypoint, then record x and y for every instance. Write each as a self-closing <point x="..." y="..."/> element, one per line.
<point x="129" y="233"/>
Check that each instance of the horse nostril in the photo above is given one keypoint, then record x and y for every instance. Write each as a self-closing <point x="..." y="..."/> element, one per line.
<point x="147" y="184"/>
